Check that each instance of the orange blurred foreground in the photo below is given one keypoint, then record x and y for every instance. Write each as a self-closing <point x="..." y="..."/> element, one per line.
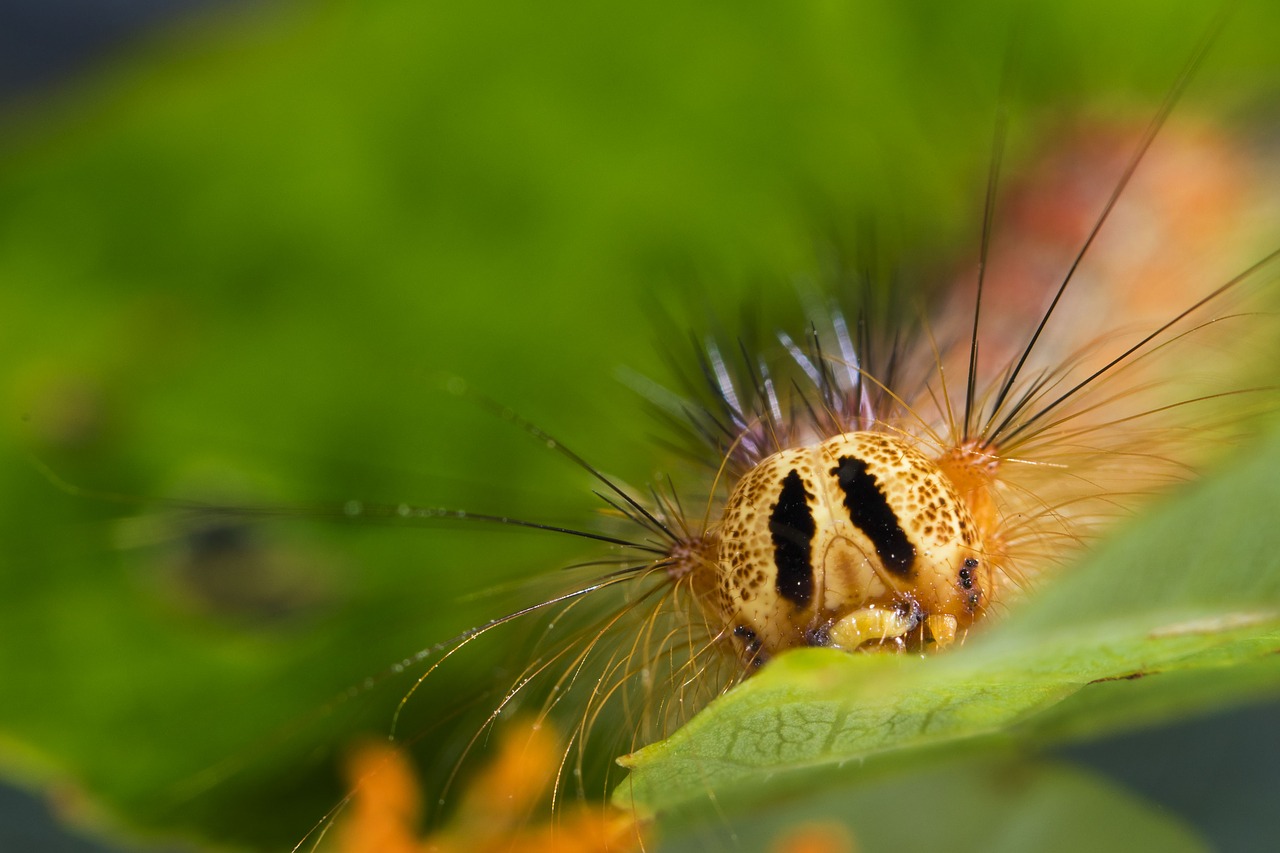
<point x="498" y="811"/>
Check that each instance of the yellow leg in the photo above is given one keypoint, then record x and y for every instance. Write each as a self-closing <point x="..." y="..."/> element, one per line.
<point x="943" y="629"/>
<point x="870" y="624"/>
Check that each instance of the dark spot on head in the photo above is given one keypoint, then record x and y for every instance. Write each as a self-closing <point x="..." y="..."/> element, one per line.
<point x="792" y="527"/>
<point x="751" y="643"/>
<point x="870" y="512"/>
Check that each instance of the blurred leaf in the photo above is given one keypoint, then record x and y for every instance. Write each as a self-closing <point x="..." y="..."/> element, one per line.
<point x="982" y="805"/>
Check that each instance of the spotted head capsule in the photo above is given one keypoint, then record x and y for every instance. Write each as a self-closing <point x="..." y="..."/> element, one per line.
<point x="860" y="539"/>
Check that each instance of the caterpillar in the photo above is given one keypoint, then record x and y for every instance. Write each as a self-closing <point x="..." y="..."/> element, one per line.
<point x="873" y="491"/>
<point x="855" y="516"/>
<point x="778" y="528"/>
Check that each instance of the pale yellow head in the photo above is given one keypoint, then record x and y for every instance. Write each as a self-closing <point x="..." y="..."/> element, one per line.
<point x="858" y="539"/>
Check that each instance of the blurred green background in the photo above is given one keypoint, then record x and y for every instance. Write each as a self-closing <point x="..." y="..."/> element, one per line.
<point x="239" y="263"/>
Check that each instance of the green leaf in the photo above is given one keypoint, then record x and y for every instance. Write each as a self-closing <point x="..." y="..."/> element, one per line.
<point x="989" y="805"/>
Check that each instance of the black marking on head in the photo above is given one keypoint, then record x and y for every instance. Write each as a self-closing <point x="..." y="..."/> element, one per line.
<point x="871" y="513"/>
<point x="793" y="527"/>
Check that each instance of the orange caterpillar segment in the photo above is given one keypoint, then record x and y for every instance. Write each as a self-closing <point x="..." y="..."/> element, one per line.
<point x="974" y="471"/>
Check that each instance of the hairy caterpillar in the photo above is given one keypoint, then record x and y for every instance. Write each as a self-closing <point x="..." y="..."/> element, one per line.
<point x="920" y="525"/>
<point x="855" y="514"/>
<point x="893" y="626"/>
